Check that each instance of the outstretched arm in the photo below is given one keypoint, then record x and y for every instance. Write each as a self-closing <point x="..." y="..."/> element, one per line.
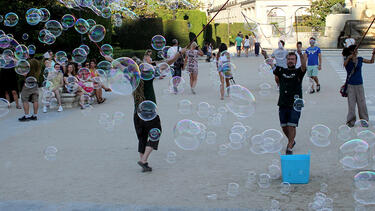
<point x="303" y="58"/>
<point x="372" y="58"/>
<point x="264" y="53"/>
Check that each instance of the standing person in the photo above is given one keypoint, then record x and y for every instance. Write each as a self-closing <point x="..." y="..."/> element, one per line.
<point x="314" y="64"/>
<point x="238" y="41"/>
<point x="178" y="64"/>
<point x="147" y="57"/>
<point x="297" y="52"/>
<point x="209" y="52"/>
<point x="256" y="46"/>
<point x="356" y="93"/>
<point x="290" y="82"/>
<point x="9" y="85"/>
<point x="246" y="45"/>
<point x="31" y="93"/>
<point x="223" y="59"/>
<point x="280" y="55"/>
<point x="252" y="42"/>
<point x="191" y="61"/>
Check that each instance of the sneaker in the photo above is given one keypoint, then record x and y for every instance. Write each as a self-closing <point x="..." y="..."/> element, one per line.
<point x="145" y="167"/>
<point x="312" y="91"/>
<point x="193" y="91"/>
<point x="34" y="118"/>
<point x="60" y="109"/>
<point x="23" y="119"/>
<point x="289" y="151"/>
<point x="44" y="109"/>
<point x="317" y="88"/>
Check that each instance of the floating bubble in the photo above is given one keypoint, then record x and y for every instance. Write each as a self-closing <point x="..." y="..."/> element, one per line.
<point x="31" y="82"/>
<point x="264" y="181"/>
<point x="203" y="110"/>
<point x="164" y="69"/>
<point x="79" y="55"/>
<point x="91" y="22"/>
<point x="1" y="18"/>
<point x="45" y="14"/>
<point x="11" y="19"/>
<point x="32" y="49"/>
<point x="106" y="12"/>
<point x="50" y="153"/>
<point x="285" y="188"/>
<point x="265" y="89"/>
<point x="344" y="133"/>
<point x="323" y="188"/>
<point x="251" y="179"/>
<point x="211" y="137"/>
<point x="298" y="104"/>
<point x="185" y="107"/>
<point x="187" y="134"/>
<point x="23" y="67"/>
<point x="147" y="110"/>
<point x="241" y="101"/>
<point x="236" y="140"/>
<point x="25" y="36"/>
<point x="320" y="135"/>
<point x="147" y="71"/>
<point x="367" y="136"/>
<point x="33" y="16"/>
<point x="4" y="107"/>
<point x="82" y="26"/>
<point x="177" y="85"/>
<point x="86" y="48"/>
<point x="171" y="157"/>
<point x="104" y="65"/>
<point x="54" y="27"/>
<point x="84" y="74"/>
<point x="154" y="134"/>
<point x="264" y="70"/>
<point x="106" y="50"/>
<point x="223" y="150"/>
<point x="97" y="33"/>
<point x="360" y="125"/>
<point x="125" y="76"/>
<point x="21" y="52"/>
<point x="274" y="171"/>
<point x="158" y="42"/>
<point x="354" y="154"/>
<point x="233" y="189"/>
<point x="46" y="37"/>
<point x="68" y="21"/>
<point x="364" y="191"/>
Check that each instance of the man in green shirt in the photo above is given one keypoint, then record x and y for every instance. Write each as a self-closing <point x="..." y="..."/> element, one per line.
<point x="239" y="42"/>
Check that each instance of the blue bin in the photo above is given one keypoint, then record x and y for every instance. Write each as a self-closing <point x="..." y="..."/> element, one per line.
<point x="295" y="168"/>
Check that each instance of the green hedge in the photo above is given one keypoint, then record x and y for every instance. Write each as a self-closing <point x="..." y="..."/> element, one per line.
<point x="176" y="29"/>
<point x="197" y="20"/>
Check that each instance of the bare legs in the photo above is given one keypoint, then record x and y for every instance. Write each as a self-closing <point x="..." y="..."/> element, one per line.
<point x="144" y="156"/>
<point x="315" y="78"/>
<point x="222" y="85"/>
<point x="26" y="108"/>
<point x="15" y="97"/>
<point x="57" y="95"/>
<point x="193" y="81"/>
<point x="290" y="133"/>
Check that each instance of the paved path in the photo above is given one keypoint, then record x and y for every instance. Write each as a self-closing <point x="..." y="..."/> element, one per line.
<point x="96" y="169"/>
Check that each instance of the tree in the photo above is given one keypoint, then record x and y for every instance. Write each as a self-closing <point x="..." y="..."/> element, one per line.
<point x="319" y="10"/>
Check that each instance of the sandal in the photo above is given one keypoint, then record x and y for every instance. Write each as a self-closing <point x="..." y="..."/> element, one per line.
<point x="108" y="90"/>
<point x="101" y="101"/>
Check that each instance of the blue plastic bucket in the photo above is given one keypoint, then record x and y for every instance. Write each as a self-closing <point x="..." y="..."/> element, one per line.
<point x="295" y="168"/>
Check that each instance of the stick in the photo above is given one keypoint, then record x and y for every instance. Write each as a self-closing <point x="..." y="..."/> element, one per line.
<point x="364" y="35"/>
<point x="222" y="7"/>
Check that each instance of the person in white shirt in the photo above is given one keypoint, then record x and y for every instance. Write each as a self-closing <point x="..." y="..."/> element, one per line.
<point x="252" y="42"/>
<point x="299" y="49"/>
<point x="246" y="45"/>
<point x="177" y="65"/>
<point x="280" y="55"/>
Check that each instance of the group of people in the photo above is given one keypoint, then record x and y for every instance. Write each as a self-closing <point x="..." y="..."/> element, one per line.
<point x="247" y="43"/>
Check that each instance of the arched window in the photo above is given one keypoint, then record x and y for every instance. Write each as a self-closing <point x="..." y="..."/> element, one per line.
<point x="299" y="13"/>
<point x="277" y="18"/>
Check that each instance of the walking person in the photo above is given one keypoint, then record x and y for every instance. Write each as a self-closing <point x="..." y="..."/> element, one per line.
<point x="246" y="45"/>
<point x="314" y="64"/>
<point x="280" y="55"/>
<point x="209" y="52"/>
<point x="177" y="65"/>
<point x="290" y="82"/>
<point x="223" y="62"/>
<point x="191" y="64"/>
<point x="297" y="52"/>
<point x="355" y="90"/>
<point x="257" y="46"/>
<point x="30" y="93"/>
<point x="239" y="42"/>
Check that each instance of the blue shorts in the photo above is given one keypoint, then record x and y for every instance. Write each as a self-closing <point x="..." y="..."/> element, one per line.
<point x="238" y="48"/>
<point x="288" y="116"/>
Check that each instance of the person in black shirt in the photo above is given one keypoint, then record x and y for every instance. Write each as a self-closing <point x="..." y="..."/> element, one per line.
<point x="289" y="81"/>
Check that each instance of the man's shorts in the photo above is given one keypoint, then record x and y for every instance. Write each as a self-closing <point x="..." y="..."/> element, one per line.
<point x="142" y="128"/>
<point x="288" y="116"/>
<point x="312" y="71"/>
<point x="238" y="48"/>
<point x="29" y="94"/>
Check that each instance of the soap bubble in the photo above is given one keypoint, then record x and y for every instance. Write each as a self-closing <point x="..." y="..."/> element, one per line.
<point x="265" y="89"/>
<point x="86" y="48"/>
<point x="323" y="188"/>
<point x="164" y="69"/>
<point x="187" y="134"/>
<point x="177" y="85"/>
<point x="4" y="107"/>
<point x="54" y="27"/>
<point x="158" y="42"/>
<point x="31" y="82"/>
<point x="233" y="189"/>
<point x="285" y="188"/>
<point x="367" y="136"/>
<point x="360" y="125"/>
<point x="203" y="110"/>
<point x="211" y="137"/>
<point x="264" y="181"/>
<point x="185" y="107"/>
<point x="84" y="74"/>
<point x="354" y="154"/>
<point x="298" y="104"/>
<point x="84" y="3"/>
<point x="274" y="171"/>
<point x="79" y="55"/>
<point x="344" y="133"/>
<point x="45" y="14"/>
<point x="97" y="33"/>
<point x="171" y="157"/>
<point x="23" y="67"/>
<point x="50" y="153"/>
<point x="1" y="18"/>
<point x="125" y="76"/>
<point x="236" y="141"/>
<point x="91" y="22"/>
<point x="61" y="57"/>
<point x="11" y="19"/>
<point x="68" y="21"/>
<point x="33" y="18"/>
<point x="106" y="50"/>
<point x="264" y="70"/>
<point x="147" y="71"/>
<point x="82" y="26"/>
<point x="223" y="149"/>
<point x="364" y="183"/>
<point x="270" y="141"/>
<point x="105" y="66"/>
<point x="25" y="36"/>
<point x="46" y="37"/>
<point x="21" y="52"/>
<point x="320" y="135"/>
<point x="147" y="110"/>
<point x="154" y="134"/>
<point x="242" y="101"/>
<point x="106" y="12"/>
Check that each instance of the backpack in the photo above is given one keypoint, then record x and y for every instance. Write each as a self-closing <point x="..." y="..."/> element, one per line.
<point x="179" y="63"/>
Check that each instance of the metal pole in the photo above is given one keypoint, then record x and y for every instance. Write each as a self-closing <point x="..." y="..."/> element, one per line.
<point x="295" y="15"/>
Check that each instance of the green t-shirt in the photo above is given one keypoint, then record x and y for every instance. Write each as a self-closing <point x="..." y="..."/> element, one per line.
<point x="148" y="91"/>
<point x="239" y="41"/>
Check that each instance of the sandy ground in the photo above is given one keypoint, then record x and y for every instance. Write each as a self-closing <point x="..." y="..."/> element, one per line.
<point x="99" y="167"/>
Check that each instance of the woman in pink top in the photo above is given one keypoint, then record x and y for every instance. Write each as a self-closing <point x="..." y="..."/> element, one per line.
<point x="191" y="64"/>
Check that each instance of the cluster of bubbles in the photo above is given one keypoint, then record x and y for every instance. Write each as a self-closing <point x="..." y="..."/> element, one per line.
<point x="364" y="188"/>
<point x="270" y="141"/>
<point x="321" y="201"/>
<point x="108" y="121"/>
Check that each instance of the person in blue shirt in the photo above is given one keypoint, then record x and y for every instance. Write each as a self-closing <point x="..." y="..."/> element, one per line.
<point x="314" y="64"/>
<point x="356" y="93"/>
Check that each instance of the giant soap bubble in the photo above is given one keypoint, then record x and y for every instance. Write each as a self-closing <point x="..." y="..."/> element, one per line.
<point x="97" y="33"/>
<point x="125" y="76"/>
<point x="364" y="183"/>
<point x="320" y="135"/>
<point x="241" y="101"/>
<point x="354" y="154"/>
<point x="187" y="134"/>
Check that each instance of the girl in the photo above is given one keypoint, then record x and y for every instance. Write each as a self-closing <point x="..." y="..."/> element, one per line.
<point x="246" y="45"/>
<point x="191" y="60"/>
<point x="223" y="62"/>
<point x="71" y="72"/>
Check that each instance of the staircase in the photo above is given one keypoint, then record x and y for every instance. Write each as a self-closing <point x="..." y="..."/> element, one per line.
<point x="355" y="29"/>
